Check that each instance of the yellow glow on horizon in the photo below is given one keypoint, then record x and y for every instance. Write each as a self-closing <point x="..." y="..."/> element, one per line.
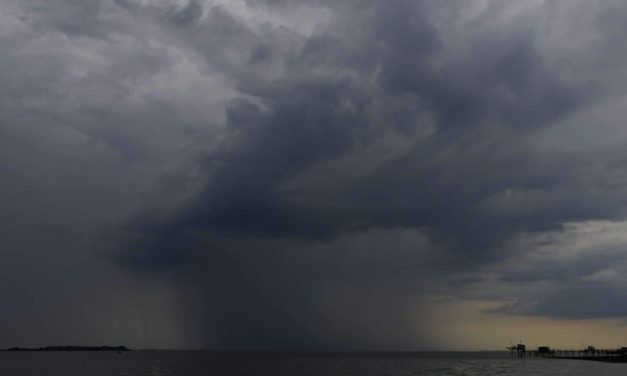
<point x="465" y="325"/>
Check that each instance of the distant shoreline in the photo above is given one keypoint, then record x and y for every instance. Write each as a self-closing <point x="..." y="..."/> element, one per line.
<point x="71" y="348"/>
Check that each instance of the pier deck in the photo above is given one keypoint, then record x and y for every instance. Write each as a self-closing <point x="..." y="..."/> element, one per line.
<point x="591" y="353"/>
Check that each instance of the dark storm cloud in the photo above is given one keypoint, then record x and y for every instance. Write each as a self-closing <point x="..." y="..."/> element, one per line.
<point x="582" y="277"/>
<point x="465" y="181"/>
<point x="310" y="165"/>
<point x="472" y="178"/>
<point x="482" y="108"/>
<point x="73" y="18"/>
<point x="577" y="301"/>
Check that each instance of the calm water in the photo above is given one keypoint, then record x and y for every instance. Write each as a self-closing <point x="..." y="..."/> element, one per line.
<point x="184" y="363"/>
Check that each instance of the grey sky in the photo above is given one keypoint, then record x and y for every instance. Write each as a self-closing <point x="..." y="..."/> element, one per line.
<point x="307" y="174"/>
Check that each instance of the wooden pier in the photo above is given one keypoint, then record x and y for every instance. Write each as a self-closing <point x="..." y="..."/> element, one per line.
<point x="590" y="353"/>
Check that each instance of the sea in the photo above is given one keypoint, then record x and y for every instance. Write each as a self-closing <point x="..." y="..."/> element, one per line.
<point x="207" y="363"/>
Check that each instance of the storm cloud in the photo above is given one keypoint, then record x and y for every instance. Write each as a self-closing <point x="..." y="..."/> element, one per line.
<point x="307" y="174"/>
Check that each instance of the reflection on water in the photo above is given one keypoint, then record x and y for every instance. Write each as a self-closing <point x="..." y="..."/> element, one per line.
<point x="191" y="363"/>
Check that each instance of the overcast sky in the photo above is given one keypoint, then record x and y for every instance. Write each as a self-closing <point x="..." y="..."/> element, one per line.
<point x="292" y="174"/>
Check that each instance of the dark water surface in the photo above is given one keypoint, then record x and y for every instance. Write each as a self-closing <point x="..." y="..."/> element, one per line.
<point x="192" y="363"/>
